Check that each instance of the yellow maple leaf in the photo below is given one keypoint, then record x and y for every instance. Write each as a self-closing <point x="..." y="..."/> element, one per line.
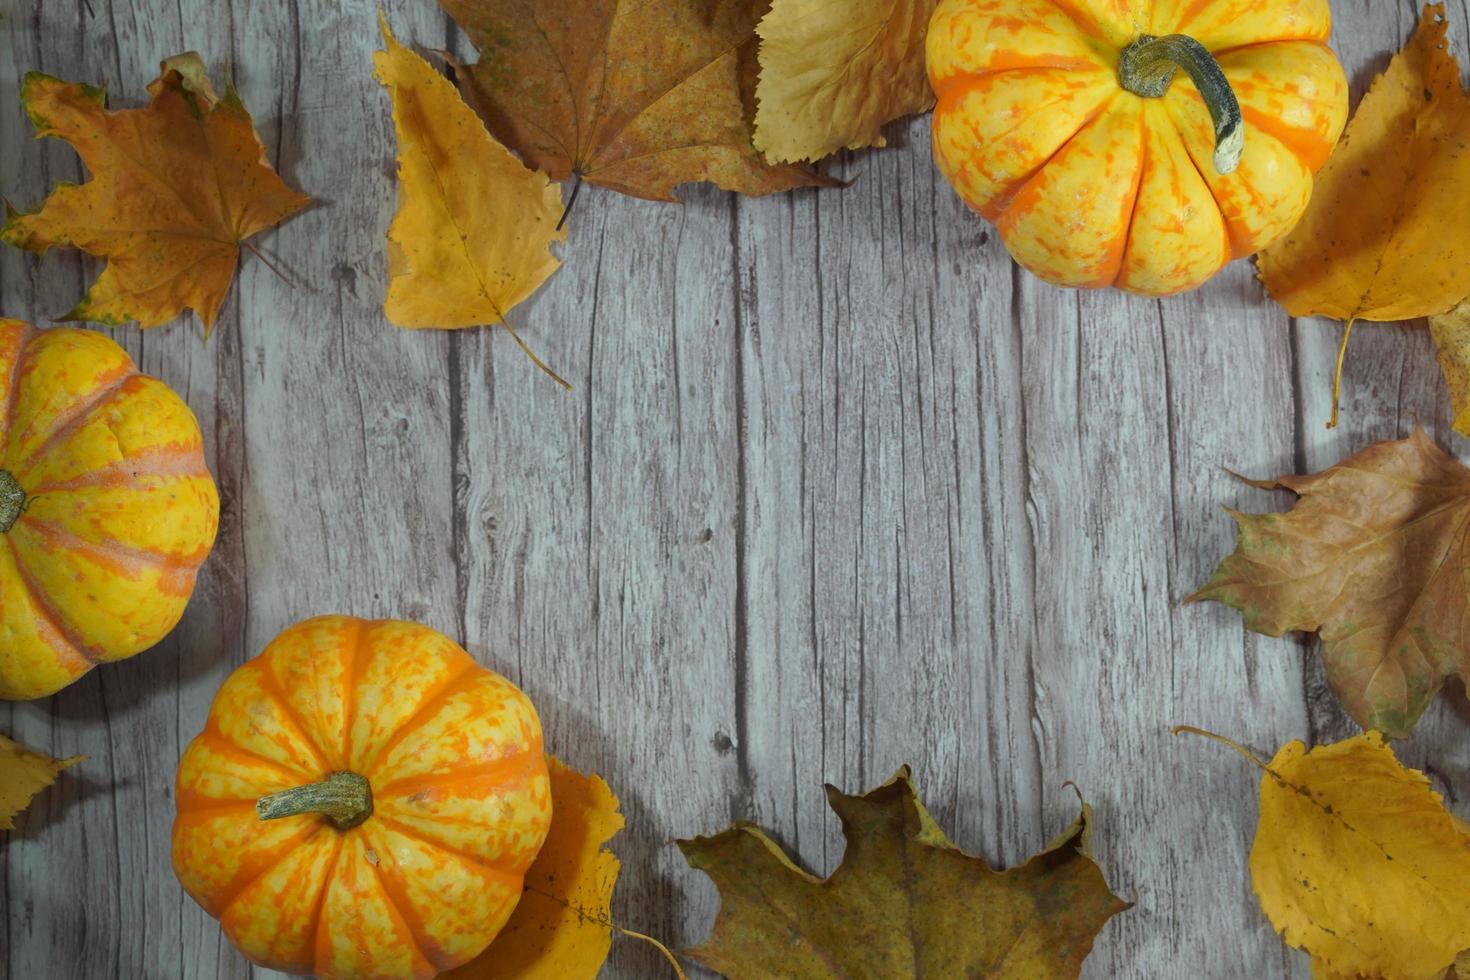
<point x="562" y="929"/>
<point x="176" y="187"/>
<point x="473" y="232"/>
<point x="23" y="774"/>
<point x="1357" y="861"/>
<point x="1384" y="235"/>
<point x="833" y="72"/>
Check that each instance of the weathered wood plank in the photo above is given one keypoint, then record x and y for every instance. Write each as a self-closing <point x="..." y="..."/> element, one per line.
<point x="598" y="543"/>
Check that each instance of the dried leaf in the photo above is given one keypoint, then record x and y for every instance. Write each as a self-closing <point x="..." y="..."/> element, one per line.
<point x="1373" y="557"/>
<point x="23" y="774"/>
<point x="561" y="930"/>
<point x="176" y="187"/>
<point x="1451" y="333"/>
<point x="473" y="232"/>
<point x="1384" y="235"/>
<point x="638" y="97"/>
<point x="833" y="72"/>
<point x="1357" y="861"/>
<point x="904" y="903"/>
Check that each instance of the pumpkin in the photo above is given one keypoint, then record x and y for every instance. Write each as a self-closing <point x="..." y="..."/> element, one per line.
<point x="364" y="801"/>
<point x="107" y="509"/>
<point x="1067" y="124"/>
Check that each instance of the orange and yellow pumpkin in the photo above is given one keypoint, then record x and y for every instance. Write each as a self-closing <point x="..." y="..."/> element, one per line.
<point x="1065" y="123"/>
<point x="107" y="509"/>
<point x="364" y="801"/>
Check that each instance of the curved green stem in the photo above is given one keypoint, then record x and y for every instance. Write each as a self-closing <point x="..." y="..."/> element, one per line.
<point x="1147" y="66"/>
<point x="12" y="501"/>
<point x="344" y="798"/>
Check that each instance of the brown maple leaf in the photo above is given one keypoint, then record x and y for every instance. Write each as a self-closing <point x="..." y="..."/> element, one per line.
<point x="638" y="97"/>
<point x="1374" y="558"/>
<point x="176" y="187"/>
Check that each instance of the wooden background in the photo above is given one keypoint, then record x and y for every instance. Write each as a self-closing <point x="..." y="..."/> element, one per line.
<point x="839" y="488"/>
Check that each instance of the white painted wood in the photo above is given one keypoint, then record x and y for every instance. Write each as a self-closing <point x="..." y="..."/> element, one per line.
<point x="839" y="489"/>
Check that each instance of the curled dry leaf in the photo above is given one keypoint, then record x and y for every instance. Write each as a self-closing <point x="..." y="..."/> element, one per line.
<point x="562" y="929"/>
<point x="23" y="774"/>
<point x="833" y="72"/>
<point x="905" y="902"/>
<point x="1357" y="861"/>
<point x="176" y="187"/>
<point x="1373" y="557"/>
<point x="1384" y="235"/>
<point x="473" y="232"/>
<point x="638" y="97"/>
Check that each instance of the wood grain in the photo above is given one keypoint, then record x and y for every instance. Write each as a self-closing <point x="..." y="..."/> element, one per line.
<point x="839" y="489"/>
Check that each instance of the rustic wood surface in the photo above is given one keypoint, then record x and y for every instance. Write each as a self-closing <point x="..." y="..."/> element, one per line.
<point x="839" y="488"/>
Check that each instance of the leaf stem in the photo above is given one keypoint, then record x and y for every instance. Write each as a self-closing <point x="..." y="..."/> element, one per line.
<point x="250" y="247"/>
<point x="678" y="970"/>
<point x="576" y="189"/>
<point x="604" y="920"/>
<point x="536" y="360"/>
<point x="1191" y="730"/>
<point x="1337" y="375"/>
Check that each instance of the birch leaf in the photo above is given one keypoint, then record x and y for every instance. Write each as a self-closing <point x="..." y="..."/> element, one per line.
<point x="1357" y="862"/>
<point x="1384" y="236"/>
<point x="23" y="774"/>
<point x="473" y="232"/>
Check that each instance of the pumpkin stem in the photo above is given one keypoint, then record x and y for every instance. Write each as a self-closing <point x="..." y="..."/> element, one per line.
<point x="344" y="798"/>
<point x="12" y="501"/>
<point x="1147" y="66"/>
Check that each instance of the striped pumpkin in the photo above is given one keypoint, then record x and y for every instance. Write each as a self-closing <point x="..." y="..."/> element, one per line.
<point x="1141" y="144"/>
<point x="107" y="509"/>
<point x="364" y="801"/>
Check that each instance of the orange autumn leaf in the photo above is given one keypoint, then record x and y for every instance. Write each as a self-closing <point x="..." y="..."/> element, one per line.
<point x="638" y="97"/>
<point x="1374" y="558"/>
<point x="176" y="187"/>
<point x="1384" y="235"/>
<point x="561" y="930"/>
<point x="473" y="232"/>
